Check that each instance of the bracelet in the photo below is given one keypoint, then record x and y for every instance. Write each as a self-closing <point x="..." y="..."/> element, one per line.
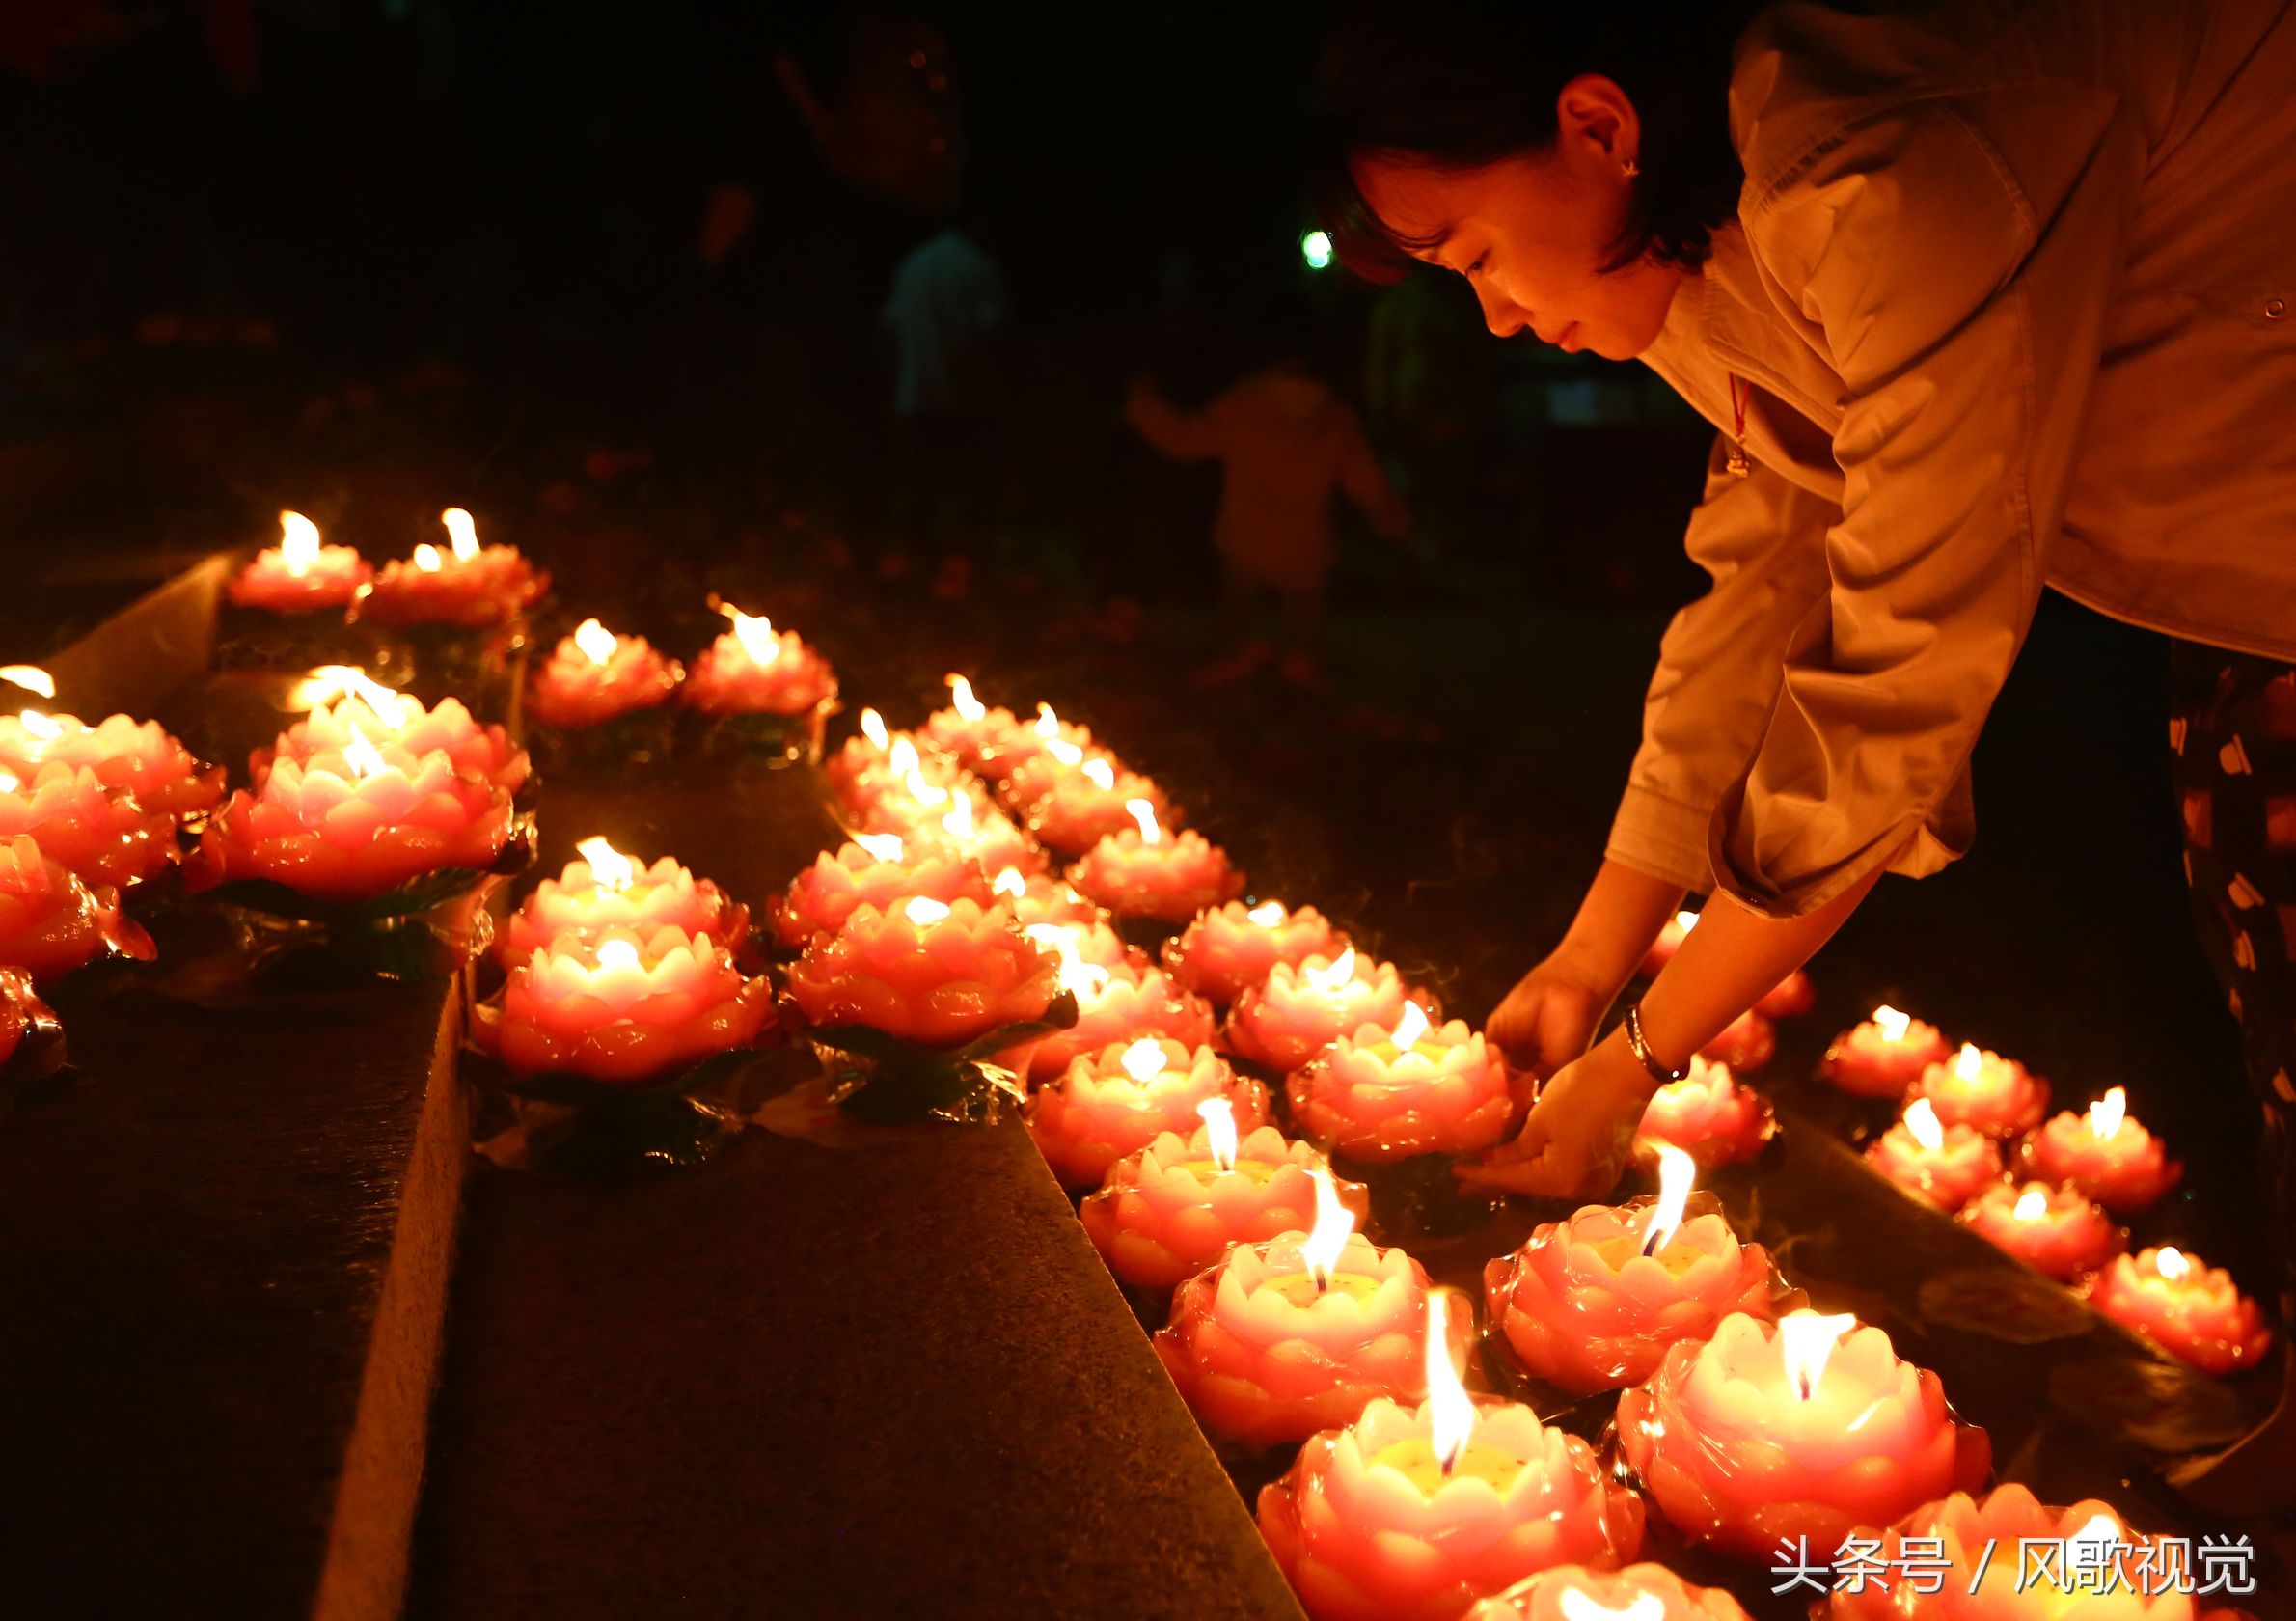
<point x="1641" y="1049"/>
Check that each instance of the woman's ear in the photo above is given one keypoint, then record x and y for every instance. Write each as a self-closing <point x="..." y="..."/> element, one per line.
<point x="1596" y="124"/>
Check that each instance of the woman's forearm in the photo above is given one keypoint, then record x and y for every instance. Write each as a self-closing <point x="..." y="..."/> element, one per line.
<point x="1621" y="914"/>
<point x="1727" y="964"/>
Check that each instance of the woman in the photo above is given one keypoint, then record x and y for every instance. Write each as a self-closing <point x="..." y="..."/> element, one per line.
<point x="1983" y="296"/>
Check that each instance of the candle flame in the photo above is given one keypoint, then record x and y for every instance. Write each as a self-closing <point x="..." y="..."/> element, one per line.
<point x="1969" y="1064"/>
<point x="920" y="790"/>
<point x="900" y="756"/>
<point x="9" y="781"/>
<point x="2171" y="1263"/>
<point x="461" y="532"/>
<point x="1449" y="1411"/>
<point x="1063" y="751"/>
<point x="610" y="869"/>
<point x="2031" y="1204"/>
<point x="1048" y="724"/>
<point x="1891" y="1023"/>
<point x="1145" y="1059"/>
<point x="754" y="632"/>
<point x="1332" y="976"/>
<point x="1144" y="814"/>
<point x="330" y="681"/>
<point x="39" y="726"/>
<point x="2100" y="1538"/>
<point x="872" y="725"/>
<point x="2107" y="1113"/>
<point x="298" y="544"/>
<point x="1576" y="1605"/>
<point x="1677" y="1171"/>
<point x="595" y="640"/>
<point x="618" y="954"/>
<point x="362" y="758"/>
<point x="1921" y="1124"/>
<point x="1268" y="913"/>
<point x="1329" y="1238"/>
<point x="1076" y="976"/>
<point x="1101" y="774"/>
<point x="958" y="823"/>
<point x="1410" y="1028"/>
<point x="961" y="699"/>
<point x="427" y="559"/>
<point x="1009" y="882"/>
<point x="924" y="912"/>
<point x="1685" y="921"/>
<point x="1806" y="1341"/>
<point x="885" y="846"/>
<point x="1218" y="1115"/>
<point x="30" y="677"/>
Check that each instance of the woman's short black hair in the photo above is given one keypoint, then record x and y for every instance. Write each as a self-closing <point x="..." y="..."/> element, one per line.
<point x="1462" y="83"/>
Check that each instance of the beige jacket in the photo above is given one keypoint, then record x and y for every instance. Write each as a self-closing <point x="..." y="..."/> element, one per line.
<point x="2015" y="293"/>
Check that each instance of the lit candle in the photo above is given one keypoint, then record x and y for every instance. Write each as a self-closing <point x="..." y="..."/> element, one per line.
<point x="1038" y="756"/>
<point x="353" y="825"/>
<point x="1965" y="1558"/>
<point x="1171" y="1209"/>
<point x="1116" y="1002"/>
<point x="2105" y="1152"/>
<point x="101" y="833"/>
<point x="1943" y="1164"/>
<point x="863" y="765"/>
<point x="137" y="755"/>
<point x="984" y="741"/>
<point x="753" y="669"/>
<point x="595" y="675"/>
<point x="1708" y="1114"/>
<point x="1884" y="1056"/>
<point x="1808" y="1427"/>
<point x="1229" y="949"/>
<point x="1381" y="1095"/>
<point x="939" y="975"/>
<point x="1746" y="1043"/>
<point x="1040" y="898"/>
<point x="50" y="923"/>
<point x="1300" y="1010"/>
<point x="1094" y="801"/>
<point x="623" y="1006"/>
<point x="2054" y="1231"/>
<point x="1279" y="1340"/>
<point x="911" y="793"/>
<point x="1592" y="1304"/>
<point x="1986" y="1092"/>
<point x="299" y="575"/>
<point x="1148" y="872"/>
<point x="31" y="1036"/>
<point x="1115" y="1102"/>
<point x="2190" y="1309"/>
<point x="1411" y="1514"/>
<point x="602" y="889"/>
<point x="1636" y="1593"/>
<point x="340" y="697"/>
<point x="977" y="832"/>
<point x="872" y="869"/>
<point x="465" y="585"/>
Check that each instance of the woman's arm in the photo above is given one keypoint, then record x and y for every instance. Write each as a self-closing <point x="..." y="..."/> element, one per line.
<point x="1551" y="1015"/>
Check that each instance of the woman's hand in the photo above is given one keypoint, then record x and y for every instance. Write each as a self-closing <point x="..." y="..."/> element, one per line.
<point x="1575" y="1143"/>
<point x="1547" y="1020"/>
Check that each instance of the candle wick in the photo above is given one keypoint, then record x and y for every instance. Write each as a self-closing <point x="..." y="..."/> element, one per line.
<point x="1651" y="1239"/>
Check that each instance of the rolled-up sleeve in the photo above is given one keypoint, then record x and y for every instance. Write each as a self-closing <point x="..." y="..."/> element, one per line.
<point x="1762" y="541"/>
<point x="1961" y="299"/>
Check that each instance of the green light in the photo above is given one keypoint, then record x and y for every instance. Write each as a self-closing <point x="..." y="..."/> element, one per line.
<point x="1316" y="248"/>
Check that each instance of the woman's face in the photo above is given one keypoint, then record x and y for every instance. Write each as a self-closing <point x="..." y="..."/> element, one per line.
<point x="1531" y="232"/>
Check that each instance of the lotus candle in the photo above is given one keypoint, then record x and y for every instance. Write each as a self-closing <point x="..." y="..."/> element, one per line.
<point x="1592" y="1304"/>
<point x="2054" y="1231"/>
<point x="595" y="675"/>
<point x="340" y="696"/>
<point x="1040" y="898"/>
<point x="938" y="976"/>
<point x="101" y="833"/>
<point x="299" y="575"/>
<point x="1383" y="1095"/>
<point x="2105" y="1153"/>
<point x="1636" y="1593"/>
<point x="1300" y="1010"/>
<point x="1227" y="950"/>
<point x="1116" y="1102"/>
<point x="913" y="797"/>
<point x="982" y="740"/>
<point x="1670" y="941"/>
<point x="1282" y="1338"/>
<point x="602" y="889"/>
<point x="623" y="1006"/>
<point x="1805" y="1428"/>
<point x="467" y="585"/>
<point x="1414" y="1514"/>
<point x="1943" y="1164"/>
<point x="1083" y="807"/>
<point x="1963" y="1559"/>
<point x="1986" y="1092"/>
<point x="1040" y="755"/>
<point x="1114" y="1004"/>
<point x="138" y="756"/>
<point x="986" y="836"/>
<point x="1747" y="1042"/>
<point x="1174" y="1207"/>
<point x="2190" y="1309"/>
<point x="26" y="1019"/>
<point x="753" y="670"/>
<point x="1884" y="1056"/>
<point x="1708" y="1115"/>
<point x="872" y="869"/>
<point x="1147" y="872"/>
<point x="50" y="923"/>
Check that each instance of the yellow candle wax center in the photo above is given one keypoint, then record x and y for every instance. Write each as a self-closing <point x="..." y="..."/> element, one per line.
<point x="1415" y="1461"/>
<point x="1675" y="1257"/>
<point x="1258" y="1170"/>
<point x="1300" y="1288"/>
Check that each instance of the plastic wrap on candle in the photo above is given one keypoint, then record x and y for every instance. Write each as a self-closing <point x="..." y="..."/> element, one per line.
<point x="1167" y="1212"/>
<point x="1643" y="1592"/>
<point x="1359" y="1541"/>
<point x="1227" y="950"/>
<point x="1709" y="1116"/>
<point x="101" y="833"/>
<point x="1096" y="1112"/>
<point x="51" y="923"/>
<point x="1585" y="1309"/>
<point x="31" y="1036"/>
<point x="1735" y="1460"/>
<point x="1447" y="1094"/>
